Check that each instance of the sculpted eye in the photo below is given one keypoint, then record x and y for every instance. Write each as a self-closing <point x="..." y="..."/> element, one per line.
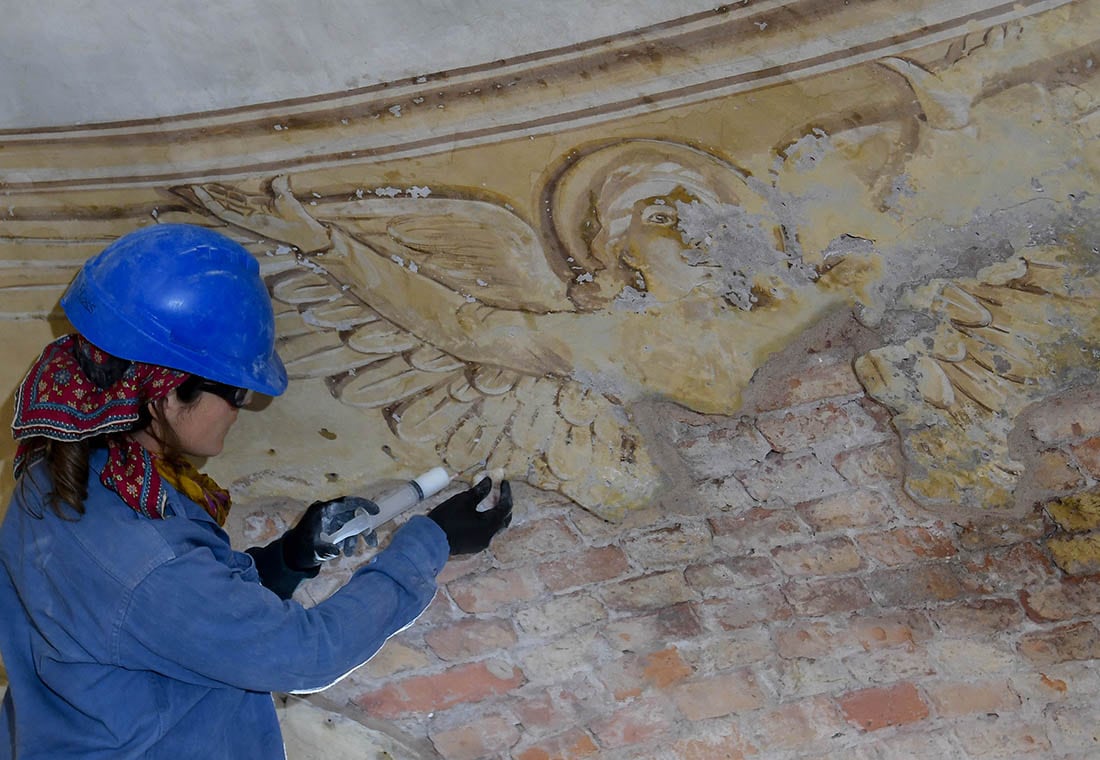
<point x="661" y="215"/>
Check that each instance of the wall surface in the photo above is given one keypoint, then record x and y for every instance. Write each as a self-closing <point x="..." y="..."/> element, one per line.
<point x="781" y="317"/>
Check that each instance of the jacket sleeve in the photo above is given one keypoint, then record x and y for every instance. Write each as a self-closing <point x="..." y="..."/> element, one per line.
<point x="198" y="620"/>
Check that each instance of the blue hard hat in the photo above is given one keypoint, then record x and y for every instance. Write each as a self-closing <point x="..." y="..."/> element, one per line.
<point x="183" y="297"/>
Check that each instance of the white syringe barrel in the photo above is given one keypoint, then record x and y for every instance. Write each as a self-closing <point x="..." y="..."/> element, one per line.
<point x="393" y="503"/>
<point x="410" y="494"/>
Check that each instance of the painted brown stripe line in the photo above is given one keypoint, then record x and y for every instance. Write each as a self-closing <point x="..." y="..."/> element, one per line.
<point x="474" y="136"/>
<point x="433" y="80"/>
<point x="603" y="55"/>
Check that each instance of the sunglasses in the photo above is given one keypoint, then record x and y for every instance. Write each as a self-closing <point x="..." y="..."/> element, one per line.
<point x="234" y="396"/>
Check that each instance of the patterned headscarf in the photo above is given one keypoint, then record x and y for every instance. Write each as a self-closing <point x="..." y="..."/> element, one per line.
<point x="58" y="400"/>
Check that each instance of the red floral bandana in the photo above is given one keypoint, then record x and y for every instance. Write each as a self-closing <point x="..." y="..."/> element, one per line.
<point x="56" y="400"/>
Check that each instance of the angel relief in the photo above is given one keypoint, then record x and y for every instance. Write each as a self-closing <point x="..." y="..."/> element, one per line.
<point x="1021" y="332"/>
<point x="660" y="273"/>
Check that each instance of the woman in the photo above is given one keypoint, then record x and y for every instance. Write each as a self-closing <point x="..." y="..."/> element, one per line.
<point x="130" y="627"/>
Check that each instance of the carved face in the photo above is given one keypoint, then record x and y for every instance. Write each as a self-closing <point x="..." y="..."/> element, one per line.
<point x="629" y="233"/>
<point x="653" y="247"/>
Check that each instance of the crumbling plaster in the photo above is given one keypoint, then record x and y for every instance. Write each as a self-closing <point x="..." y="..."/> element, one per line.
<point x="566" y="258"/>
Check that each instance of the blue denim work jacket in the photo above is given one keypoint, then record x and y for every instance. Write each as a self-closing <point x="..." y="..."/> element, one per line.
<point x="126" y="637"/>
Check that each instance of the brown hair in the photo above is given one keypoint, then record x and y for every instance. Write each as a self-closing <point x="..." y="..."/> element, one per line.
<point x="67" y="461"/>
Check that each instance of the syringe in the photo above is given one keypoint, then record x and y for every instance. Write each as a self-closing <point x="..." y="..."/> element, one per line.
<point x="392" y="504"/>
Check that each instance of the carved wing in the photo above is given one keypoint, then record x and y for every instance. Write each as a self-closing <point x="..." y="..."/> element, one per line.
<point x="551" y="432"/>
<point x="948" y="92"/>
<point x="458" y="243"/>
<point x="957" y="389"/>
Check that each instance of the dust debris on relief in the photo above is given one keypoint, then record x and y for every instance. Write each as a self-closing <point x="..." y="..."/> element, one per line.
<point x="961" y="228"/>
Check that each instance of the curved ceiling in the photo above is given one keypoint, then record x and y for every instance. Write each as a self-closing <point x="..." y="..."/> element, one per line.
<point x="89" y="61"/>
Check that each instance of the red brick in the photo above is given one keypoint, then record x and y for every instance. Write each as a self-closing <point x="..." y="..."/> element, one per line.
<point x="872" y="465"/>
<point x="493" y="589"/>
<point x="1062" y="601"/>
<point x="540" y="713"/>
<point x="718" y="695"/>
<point x="888" y="665"/>
<point x="640" y="721"/>
<point x="1068" y="418"/>
<point x="805" y="677"/>
<point x="560" y="614"/>
<point x="807" y="639"/>
<point x="396" y="656"/>
<point x="480" y="737"/>
<point x="566" y="746"/>
<point x="812" y="383"/>
<point x="829" y="557"/>
<point x="592" y="566"/>
<point x="852" y="509"/>
<point x="826" y="596"/>
<point x="843" y="425"/>
<point x="665" y="668"/>
<point x="673" y="545"/>
<point x="722" y="742"/>
<point x="1087" y="454"/>
<point x="797" y="724"/>
<point x="915" y="585"/>
<point x="858" y="633"/>
<point x="424" y="694"/>
<point x="954" y="698"/>
<point x="558" y="655"/>
<point x="982" y="617"/>
<point x="469" y="638"/>
<point x="648" y="592"/>
<point x="907" y="545"/>
<point x="757" y="529"/>
<point x="713" y="449"/>
<point x="753" y="606"/>
<point x="986" y="534"/>
<point x="793" y="478"/>
<point x="1072" y="642"/>
<point x="889" y="630"/>
<point x="732" y="649"/>
<point x="728" y="577"/>
<point x="648" y="632"/>
<point x="535" y="540"/>
<point x="879" y="707"/>
<point x="1005" y="570"/>
<point x="1052" y="471"/>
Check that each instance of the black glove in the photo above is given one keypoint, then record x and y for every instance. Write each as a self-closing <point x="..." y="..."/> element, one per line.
<point x="467" y="529"/>
<point x="303" y="547"/>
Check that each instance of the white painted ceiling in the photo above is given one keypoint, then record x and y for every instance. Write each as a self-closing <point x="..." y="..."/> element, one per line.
<point x="70" y="62"/>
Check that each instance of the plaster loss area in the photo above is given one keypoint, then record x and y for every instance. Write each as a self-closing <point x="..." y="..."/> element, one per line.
<point x="781" y="319"/>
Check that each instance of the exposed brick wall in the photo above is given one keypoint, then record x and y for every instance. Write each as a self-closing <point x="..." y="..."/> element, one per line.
<point x="795" y="605"/>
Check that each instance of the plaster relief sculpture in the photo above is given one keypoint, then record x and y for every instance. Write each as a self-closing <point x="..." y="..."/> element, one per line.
<point x="474" y="334"/>
<point x="1019" y="333"/>
<point x="503" y="321"/>
<point x="1023" y="329"/>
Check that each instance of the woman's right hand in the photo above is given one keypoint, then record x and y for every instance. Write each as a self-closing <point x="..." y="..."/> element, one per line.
<point x="303" y="547"/>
